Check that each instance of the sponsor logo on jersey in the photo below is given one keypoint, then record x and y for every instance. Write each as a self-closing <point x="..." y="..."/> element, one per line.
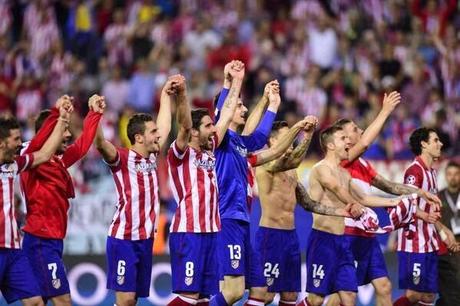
<point x="242" y="151"/>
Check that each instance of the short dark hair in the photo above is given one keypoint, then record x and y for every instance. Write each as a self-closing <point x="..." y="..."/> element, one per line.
<point x="342" y="122"/>
<point x="452" y="163"/>
<point x="416" y="138"/>
<point x="197" y="115"/>
<point x="6" y="125"/>
<point x="41" y="118"/>
<point x="326" y="134"/>
<point x="276" y="126"/>
<point x="136" y="125"/>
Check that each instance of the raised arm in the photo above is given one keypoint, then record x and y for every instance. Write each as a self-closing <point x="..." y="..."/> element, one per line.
<point x="257" y="112"/>
<point x="277" y="150"/>
<point x="370" y="200"/>
<point x="401" y="189"/>
<point x="82" y="144"/>
<point x="183" y="113"/>
<point x="307" y="203"/>
<point x="106" y="148"/>
<point x="370" y="134"/>
<point x="55" y="139"/>
<point x="164" y="114"/>
<point x="229" y="107"/>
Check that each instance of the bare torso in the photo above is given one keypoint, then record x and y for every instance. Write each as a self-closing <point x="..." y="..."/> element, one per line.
<point x="330" y="224"/>
<point x="277" y="198"/>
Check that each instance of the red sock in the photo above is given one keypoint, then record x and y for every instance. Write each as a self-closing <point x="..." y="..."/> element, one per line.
<point x="286" y="303"/>
<point x="304" y="303"/>
<point x="181" y="301"/>
<point x="254" y="302"/>
<point x="402" y="301"/>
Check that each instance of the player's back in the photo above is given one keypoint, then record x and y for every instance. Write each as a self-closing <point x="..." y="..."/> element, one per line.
<point x="318" y="192"/>
<point x="277" y="198"/>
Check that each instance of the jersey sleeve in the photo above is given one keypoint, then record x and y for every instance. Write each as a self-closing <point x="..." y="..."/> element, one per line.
<point x="258" y="139"/>
<point x="220" y="102"/>
<point x="44" y="132"/>
<point x="81" y="146"/>
<point x="24" y="162"/>
<point x="115" y="164"/>
<point x="176" y="155"/>
<point x="414" y="176"/>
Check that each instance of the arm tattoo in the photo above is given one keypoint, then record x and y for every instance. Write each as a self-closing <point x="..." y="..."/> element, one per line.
<point x="391" y="187"/>
<point x="232" y="95"/>
<point x="309" y="204"/>
<point x="301" y="149"/>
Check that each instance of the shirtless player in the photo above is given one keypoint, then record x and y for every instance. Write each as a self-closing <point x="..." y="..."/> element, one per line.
<point x="330" y="266"/>
<point x="279" y="192"/>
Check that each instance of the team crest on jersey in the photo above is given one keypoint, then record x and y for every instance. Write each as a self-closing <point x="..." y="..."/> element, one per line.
<point x="56" y="283"/>
<point x="316" y="283"/>
<point x="242" y="151"/>
<point x="235" y="264"/>
<point x="188" y="281"/>
<point x="411" y="180"/>
<point x="120" y="279"/>
<point x="270" y="281"/>
<point x="416" y="280"/>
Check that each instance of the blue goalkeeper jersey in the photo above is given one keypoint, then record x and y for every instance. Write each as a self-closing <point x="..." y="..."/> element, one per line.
<point x="232" y="165"/>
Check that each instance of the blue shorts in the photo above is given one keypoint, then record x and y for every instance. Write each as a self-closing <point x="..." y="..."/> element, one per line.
<point x="418" y="271"/>
<point x="369" y="260"/>
<point x="330" y="264"/>
<point x="45" y="257"/>
<point x="194" y="264"/>
<point x="129" y="265"/>
<point x="236" y="254"/>
<point x="280" y="255"/>
<point x="17" y="281"/>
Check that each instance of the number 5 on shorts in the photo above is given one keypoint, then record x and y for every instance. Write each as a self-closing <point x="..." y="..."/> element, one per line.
<point x="416" y="272"/>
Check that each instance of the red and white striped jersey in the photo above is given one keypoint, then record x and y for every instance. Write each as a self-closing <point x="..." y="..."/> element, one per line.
<point x="138" y="205"/>
<point x="362" y="173"/>
<point x="192" y="178"/>
<point x="425" y="238"/>
<point x="9" y="234"/>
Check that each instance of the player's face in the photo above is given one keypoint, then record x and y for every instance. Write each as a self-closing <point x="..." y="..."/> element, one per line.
<point x="353" y="132"/>
<point x="151" y="138"/>
<point x="65" y="142"/>
<point x="453" y="177"/>
<point x="342" y="144"/>
<point x="434" y="145"/>
<point x="206" y="133"/>
<point x="239" y="117"/>
<point x="11" y="145"/>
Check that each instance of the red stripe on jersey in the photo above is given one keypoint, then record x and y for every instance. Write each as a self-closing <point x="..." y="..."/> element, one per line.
<point x="12" y="217"/>
<point x="152" y="215"/>
<point x="2" y="216"/>
<point x="175" y="178"/>
<point x="141" y="186"/>
<point x="212" y="216"/>
<point x="121" y="204"/>
<point x="188" y="195"/>
<point x="128" y="210"/>
<point x="202" y="199"/>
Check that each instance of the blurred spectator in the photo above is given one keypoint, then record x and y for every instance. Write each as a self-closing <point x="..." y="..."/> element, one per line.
<point x="116" y="90"/>
<point x="142" y="88"/>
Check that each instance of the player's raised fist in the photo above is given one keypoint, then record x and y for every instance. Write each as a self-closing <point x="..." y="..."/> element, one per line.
<point x="62" y="99"/>
<point x="237" y="70"/>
